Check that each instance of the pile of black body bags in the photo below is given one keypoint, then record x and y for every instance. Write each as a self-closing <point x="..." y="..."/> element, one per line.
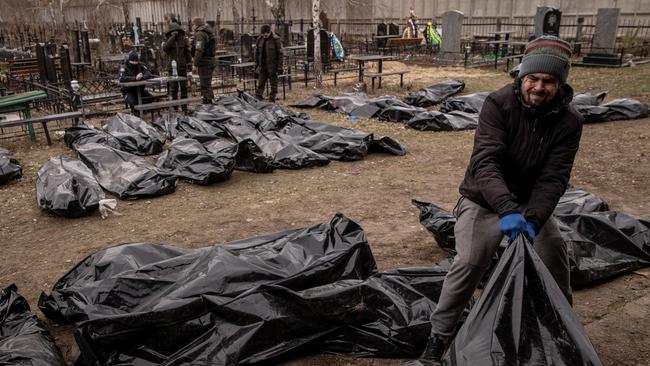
<point x="461" y="112"/>
<point x="128" y="157"/>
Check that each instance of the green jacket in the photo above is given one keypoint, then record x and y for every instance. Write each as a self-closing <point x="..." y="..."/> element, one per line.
<point x="272" y="61"/>
<point x="204" y="46"/>
<point x="176" y="47"/>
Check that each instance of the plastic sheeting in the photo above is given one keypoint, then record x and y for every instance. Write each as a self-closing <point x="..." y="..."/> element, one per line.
<point x="438" y="121"/>
<point x="434" y="94"/>
<point x="359" y="104"/>
<point x="83" y="134"/>
<point x="618" y="109"/>
<point x="204" y="163"/>
<point x="10" y="168"/>
<point x="312" y="289"/>
<point x="134" y="134"/>
<point x="175" y="125"/>
<point x="67" y="187"/>
<point x="588" y="98"/>
<point x="23" y="338"/>
<point x="522" y="318"/>
<point x="470" y="103"/>
<point x="126" y="175"/>
<point x="601" y="243"/>
<point x="389" y="108"/>
<point x="272" y="137"/>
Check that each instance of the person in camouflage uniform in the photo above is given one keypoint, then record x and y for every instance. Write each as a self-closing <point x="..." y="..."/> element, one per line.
<point x="177" y="48"/>
<point x="268" y="62"/>
<point x="203" y="61"/>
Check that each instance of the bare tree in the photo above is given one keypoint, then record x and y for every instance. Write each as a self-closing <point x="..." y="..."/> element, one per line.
<point x="277" y="8"/>
<point x="235" y="18"/>
<point x="315" y="12"/>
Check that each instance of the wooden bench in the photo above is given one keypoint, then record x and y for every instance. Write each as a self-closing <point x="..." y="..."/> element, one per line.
<point x="374" y="75"/>
<point x="43" y="120"/>
<point x="164" y="104"/>
<point x="342" y="69"/>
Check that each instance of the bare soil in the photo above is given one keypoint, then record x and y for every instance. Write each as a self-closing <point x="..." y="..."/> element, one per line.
<point x="613" y="162"/>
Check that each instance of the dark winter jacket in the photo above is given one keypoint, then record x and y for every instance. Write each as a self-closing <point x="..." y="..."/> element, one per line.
<point x="176" y="47"/>
<point x="204" y="46"/>
<point x="272" y="60"/>
<point x="521" y="156"/>
<point x="128" y="73"/>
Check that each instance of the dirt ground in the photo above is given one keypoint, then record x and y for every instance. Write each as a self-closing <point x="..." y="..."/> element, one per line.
<point x="613" y="162"/>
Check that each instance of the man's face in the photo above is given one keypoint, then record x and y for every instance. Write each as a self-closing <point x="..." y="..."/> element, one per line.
<point x="266" y="35"/>
<point x="539" y="88"/>
<point x="134" y="62"/>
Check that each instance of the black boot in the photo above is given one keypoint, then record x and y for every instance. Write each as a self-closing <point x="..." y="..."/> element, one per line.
<point x="436" y="346"/>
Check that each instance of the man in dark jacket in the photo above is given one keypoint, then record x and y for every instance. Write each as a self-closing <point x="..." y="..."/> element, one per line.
<point x="268" y="62"/>
<point x="524" y="149"/>
<point x="134" y="70"/>
<point x="177" y="48"/>
<point x="204" y="63"/>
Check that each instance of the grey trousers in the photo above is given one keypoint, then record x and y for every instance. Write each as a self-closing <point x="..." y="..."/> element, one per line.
<point x="477" y="238"/>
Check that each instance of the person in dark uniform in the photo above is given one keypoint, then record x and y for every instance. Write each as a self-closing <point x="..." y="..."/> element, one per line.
<point x="133" y="70"/>
<point x="176" y="48"/>
<point x="268" y="62"/>
<point x="203" y="61"/>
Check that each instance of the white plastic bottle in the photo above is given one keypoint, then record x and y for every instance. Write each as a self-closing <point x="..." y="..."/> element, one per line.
<point x="174" y="69"/>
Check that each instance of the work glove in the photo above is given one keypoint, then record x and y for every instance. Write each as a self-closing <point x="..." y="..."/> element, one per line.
<point x="512" y="225"/>
<point x="531" y="232"/>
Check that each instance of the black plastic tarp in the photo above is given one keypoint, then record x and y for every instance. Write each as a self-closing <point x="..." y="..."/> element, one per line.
<point x="434" y="94"/>
<point x="389" y="108"/>
<point x="470" y="103"/>
<point x="601" y="243"/>
<point x="206" y="162"/>
<point x="66" y="187"/>
<point x="338" y="143"/>
<point x="23" y="338"/>
<point x="83" y="134"/>
<point x="272" y="137"/>
<point x="359" y="104"/>
<point x="134" y="134"/>
<point x="521" y="318"/>
<point x="438" y="121"/>
<point x="616" y="110"/>
<point x="10" y="168"/>
<point x="312" y="289"/>
<point x="126" y="175"/>
<point x="175" y="125"/>
<point x="588" y="98"/>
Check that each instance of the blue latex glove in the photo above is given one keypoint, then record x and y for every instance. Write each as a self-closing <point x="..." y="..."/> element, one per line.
<point x="512" y="225"/>
<point x="531" y="232"/>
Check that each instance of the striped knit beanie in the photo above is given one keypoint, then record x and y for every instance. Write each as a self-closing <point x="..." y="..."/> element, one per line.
<point x="548" y="55"/>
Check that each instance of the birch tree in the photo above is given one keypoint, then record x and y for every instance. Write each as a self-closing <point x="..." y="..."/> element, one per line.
<point x="315" y="12"/>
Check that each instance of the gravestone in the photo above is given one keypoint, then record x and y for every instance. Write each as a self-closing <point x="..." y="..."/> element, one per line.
<point x="382" y="30"/>
<point x="284" y="31"/>
<point x="604" y="41"/>
<point x="226" y="35"/>
<point x="324" y="46"/>
<point x="547" y="21"/>
<point x="393" y="29"/>
<point x="246" y="42"/>
<point x="452" y="23"/>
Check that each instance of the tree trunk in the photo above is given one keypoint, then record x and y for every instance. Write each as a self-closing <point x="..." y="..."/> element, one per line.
<point x="315" y="12"/>
<point x="235" y="18"/>
<point x="278" y="10"/>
